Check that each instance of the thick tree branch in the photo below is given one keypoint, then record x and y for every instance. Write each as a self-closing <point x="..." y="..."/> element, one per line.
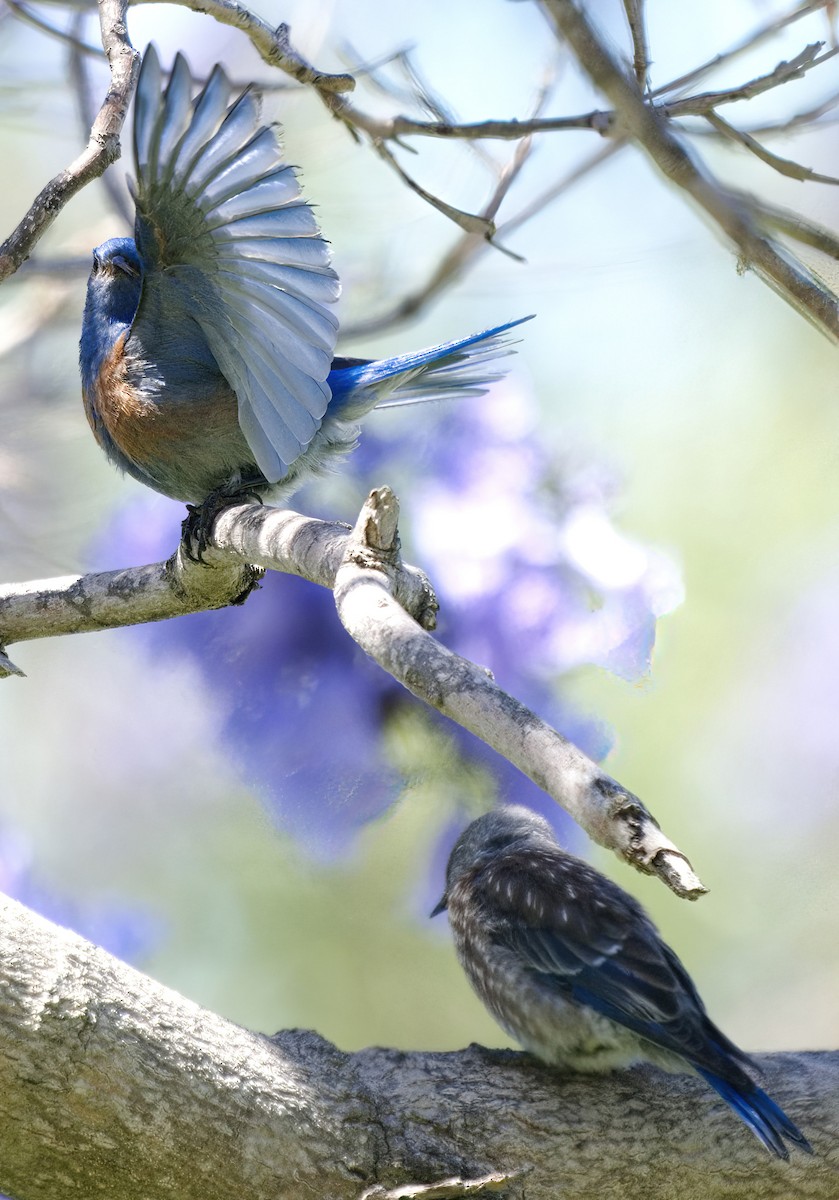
<point x="387" y="607"/>
<point x="112" y="1087"/>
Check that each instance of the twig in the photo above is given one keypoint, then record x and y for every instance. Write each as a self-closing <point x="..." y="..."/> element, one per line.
<point x="770" y="29"/>
<point x="466" y="249"/>
<point x="656" y="137"/>
<point x="102" y="149"/>
<point x="470" y="222"/>
<point x="793" y="225"/>
<point x="272" y="44"/>
<point x="636" y="20"/>
<point x="86" y="109"/>
<point x="511" y="130"/>
<point x="24" y="13"/>
<point x="784" y="166"/>
<point x="457" y="259"/>
<point x="814" y="117"/>
<point x="795" y="68"/>
<point x="389" y="608"/>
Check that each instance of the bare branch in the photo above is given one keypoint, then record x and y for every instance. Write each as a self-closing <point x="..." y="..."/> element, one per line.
<point x="387" y="607"/>
<point x="469" y="222"/>
<point x="704" y="102"/>
<point x="457" y="259"/>
<point x="793" y="225"/>
<point x="784" y="166"/>
<point x="393" y="128"/>
<point x="769" y="29"/>
<point x="113" y="1087"/>
<point x="273" y="45"/>
<point x="86" y="109"/>
<point x="24" y="13"/>
<point x="102" y="149"/>
<point x="789" y="277"/>
<point x="636" y="20"/>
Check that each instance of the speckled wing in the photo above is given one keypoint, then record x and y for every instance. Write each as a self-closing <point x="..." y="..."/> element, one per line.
<point x="594" y="944"/>
<point x="227" y="239"/>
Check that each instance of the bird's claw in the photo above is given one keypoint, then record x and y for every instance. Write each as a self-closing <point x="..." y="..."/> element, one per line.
<point x="197" y="526"/>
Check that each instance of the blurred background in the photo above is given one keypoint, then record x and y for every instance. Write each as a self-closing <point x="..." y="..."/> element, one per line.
<point x="636" y="530"/>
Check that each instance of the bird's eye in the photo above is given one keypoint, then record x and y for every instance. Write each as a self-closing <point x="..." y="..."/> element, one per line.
<point x="125" y="265"/>
<point x="94" y="270"/>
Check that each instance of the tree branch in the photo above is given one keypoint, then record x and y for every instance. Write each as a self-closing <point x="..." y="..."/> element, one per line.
<point x="704" y="102"/>
<point x="103" y="147"/>
<point x="272" y="44"/>
<point x="112" y="1087"/>
<point x="784" y="166"/>
<point x="387" y="607"/>
<point x="640" y="121"/>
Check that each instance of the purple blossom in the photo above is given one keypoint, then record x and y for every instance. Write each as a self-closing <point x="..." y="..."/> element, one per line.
<point x="533" y="580"/>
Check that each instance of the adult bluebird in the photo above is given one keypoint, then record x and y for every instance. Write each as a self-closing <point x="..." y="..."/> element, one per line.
<point x="207" y="343"/>
<point x="571" y="967"/>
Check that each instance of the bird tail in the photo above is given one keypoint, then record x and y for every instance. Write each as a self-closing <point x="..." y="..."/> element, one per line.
<point x="432" y="374"/>
<point x="766" y="1119"/>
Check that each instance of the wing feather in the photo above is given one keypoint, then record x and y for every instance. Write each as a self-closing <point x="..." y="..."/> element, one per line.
<point x="223" y="225"/>
<point x="593" y="943"/>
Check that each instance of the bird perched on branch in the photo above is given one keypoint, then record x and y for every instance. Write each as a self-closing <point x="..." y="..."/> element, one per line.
<point x="573" y="969"/>
<point x="207" y="343"/>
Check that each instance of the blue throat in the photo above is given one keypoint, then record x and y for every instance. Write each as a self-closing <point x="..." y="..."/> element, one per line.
<point x="110" y="306"/>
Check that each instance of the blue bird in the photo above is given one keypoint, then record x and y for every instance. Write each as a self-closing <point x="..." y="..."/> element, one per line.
<point x="571" y="966"/>
<point x="207" y="343"/>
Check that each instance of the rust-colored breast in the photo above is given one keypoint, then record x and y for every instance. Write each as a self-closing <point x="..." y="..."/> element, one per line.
<point x="115" y="412"/>
<point x="183" y="441"/>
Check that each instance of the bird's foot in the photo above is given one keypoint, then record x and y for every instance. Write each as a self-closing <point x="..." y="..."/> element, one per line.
<point x="197" y="525"/>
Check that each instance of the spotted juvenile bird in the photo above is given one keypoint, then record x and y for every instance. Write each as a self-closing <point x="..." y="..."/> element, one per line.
<point x="207" y="342"/>
<point x="573" y="969"/>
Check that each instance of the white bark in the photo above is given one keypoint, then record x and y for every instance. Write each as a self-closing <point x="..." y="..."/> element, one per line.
<point x="388" y="608"/>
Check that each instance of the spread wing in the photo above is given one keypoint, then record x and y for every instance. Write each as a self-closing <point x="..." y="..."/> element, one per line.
<point x="589" y="940"/>
<point x="227" y="239"/>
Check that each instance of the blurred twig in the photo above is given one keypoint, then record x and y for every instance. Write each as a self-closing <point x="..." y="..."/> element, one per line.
<point x="31" y="313"/>
<point x="704" y="102"/>
<point x="103" y="145"/>
<point x="659" y="140"/>
<point x="771" y="28"/>
<point x="87" y="109"/>
<point x="460" y="257"/>
<point x="456" y="260"/>
<point x="636" y="20"/>
<point x="794" y="226"/>
<point x="24" y="13"/>
<point x="784" y="166"/>
<point x="647" y="117"/>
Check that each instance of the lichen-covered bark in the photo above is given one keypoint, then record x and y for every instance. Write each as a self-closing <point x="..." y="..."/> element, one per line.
<point x="114" y="1088"/>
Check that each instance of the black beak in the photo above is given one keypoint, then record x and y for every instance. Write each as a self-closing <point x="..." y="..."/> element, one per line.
<point x="441" y="906"/>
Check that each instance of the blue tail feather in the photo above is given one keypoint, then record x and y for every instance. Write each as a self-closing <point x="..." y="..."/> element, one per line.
<point x="422" y="375"/>
<point x="766" y="1119"/>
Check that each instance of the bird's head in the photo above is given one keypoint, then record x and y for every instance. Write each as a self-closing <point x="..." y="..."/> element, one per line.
<point x="113" y="294"/>
<point x="116" y="279"/>
<point x="510" y="827"/>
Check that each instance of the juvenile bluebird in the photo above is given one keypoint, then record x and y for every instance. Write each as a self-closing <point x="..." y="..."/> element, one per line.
<point x="571" y="967"/>
<point x="207" y="343"/>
